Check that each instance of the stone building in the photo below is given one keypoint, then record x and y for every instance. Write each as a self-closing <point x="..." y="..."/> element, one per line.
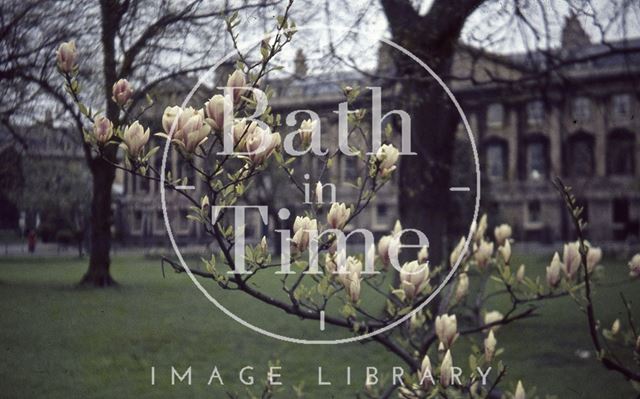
<point x="568" y="112"/>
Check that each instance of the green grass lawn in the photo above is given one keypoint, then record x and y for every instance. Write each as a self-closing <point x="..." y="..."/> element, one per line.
<point x="62" y="342"/>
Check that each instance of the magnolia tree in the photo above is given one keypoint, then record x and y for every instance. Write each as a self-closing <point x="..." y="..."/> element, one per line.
<point x="231" y="140"/>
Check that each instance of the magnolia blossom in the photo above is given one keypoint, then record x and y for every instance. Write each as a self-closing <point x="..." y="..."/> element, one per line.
<point x="194" y="131"/>
<point x="386" y="246"/>
<point x="302" y="227"/>
<point x="553" y="271"/>
<point x="307" y="129"/>
<point x="571" y="259"/>
<point x="214" y="109"/>
<point x="483" y="253"/>
<point x="237" y="80"/>
<point x="261" y="143"/>
<point x="520" y="273"/>
<point x="338" y="215"/>
<point x="423" y="254"/>
<point x="122" y="92"/>
<point x="502" y="233"/>
<point x="190" y="129"/>
<point x="263" y="244"/>
<point x="414" y="277"/>
<point x="102" y="129"/>
<point x="387" y="156"/>
<point x="505" y="251"/>
<point x="520" y="393"/>
<point x="447" y="329"/>
<point x="463" y="286"/>
<point x="594" y="255"/>
<point x="490" y="346"/>
<point x="66" y="56"/>
<point x="446" y="369"/>
<point x="493" y="317"/>
<point x="634" y="266"/>
<point x="349" y="273"/>
<point x="135" y="138"/>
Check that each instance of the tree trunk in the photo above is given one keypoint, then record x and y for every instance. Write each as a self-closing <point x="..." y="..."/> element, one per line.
<point x="102" y="171"/>
<point x="101" y="219"/>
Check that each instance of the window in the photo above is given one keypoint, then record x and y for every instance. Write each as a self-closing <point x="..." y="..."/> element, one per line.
<point x="536" y="159"/>
<point x="621" y="104"/>
<point x="581" y="109"/>
<point x="580" y="158"/>
<point x="535" y="112"/>
<point x="495" y="115"/>
<point x="534" y="212"/>
<point x="381" y="216"/>
<point x="136" y="226"/>
<point x="620" y="153"/>
<point x="496" y="156"/>
<point x="620" y="211"/>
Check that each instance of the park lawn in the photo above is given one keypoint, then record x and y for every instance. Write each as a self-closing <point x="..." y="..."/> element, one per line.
<point x="59" y="341"/>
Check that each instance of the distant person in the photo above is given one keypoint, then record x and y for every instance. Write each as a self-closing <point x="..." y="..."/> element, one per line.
<point x="31" y="241"/>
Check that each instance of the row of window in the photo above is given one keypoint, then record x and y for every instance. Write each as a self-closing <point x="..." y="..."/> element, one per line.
<point x="578" y="156"/>
<point x="581" y="109"/>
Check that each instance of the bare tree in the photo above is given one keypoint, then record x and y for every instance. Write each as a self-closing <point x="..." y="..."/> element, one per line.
<point x="152" y="42"/>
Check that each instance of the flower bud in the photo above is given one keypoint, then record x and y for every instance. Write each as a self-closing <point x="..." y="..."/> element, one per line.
<point x="426" y="376"/>
<point x="302" y="227"/>
<point x="483" y="254"/>
<point x="386" y="246"/>
<point x="553" y="271"/>
<point x="520" y="393"/>
<point x="387" y="156"/>
<point x="308" y="128"/>
<point x="122" y="92"/>
<point x="446" y="370"/>
<point x="520" y="274"/>
<point x="571" y="258"/>
<point x="490" y="346"/>
<point x="447" y="329"/>
<point x="354" y="288"/>
<point x="502" y="233"/>
<point x="397" y="228"/>
<point x="102" y="129"/>
<point x="338" y="215"/>
<point x="318" y="193"/>
<point x="237" y="80"/>
<point x="615" y="327"/>
<point x="135" y="137"/>
<point x="634" y="266"/>
<point x="457" y="252"/>
<point x="414" y="277"/>
<point x="463" y="287"/>
<point x="493" y="317"/>
<point x="264" y="247"/>
<point x="330" y="264"/>
<point x="66" y="56"/>
<point x="505" y="251"/>
<point x="594" y="255"/>
<point x="481" y="229"/>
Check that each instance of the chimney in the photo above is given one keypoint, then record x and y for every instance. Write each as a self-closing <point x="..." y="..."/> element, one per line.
<point x="573" y="34"/>
<point x="300" y="62"/>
